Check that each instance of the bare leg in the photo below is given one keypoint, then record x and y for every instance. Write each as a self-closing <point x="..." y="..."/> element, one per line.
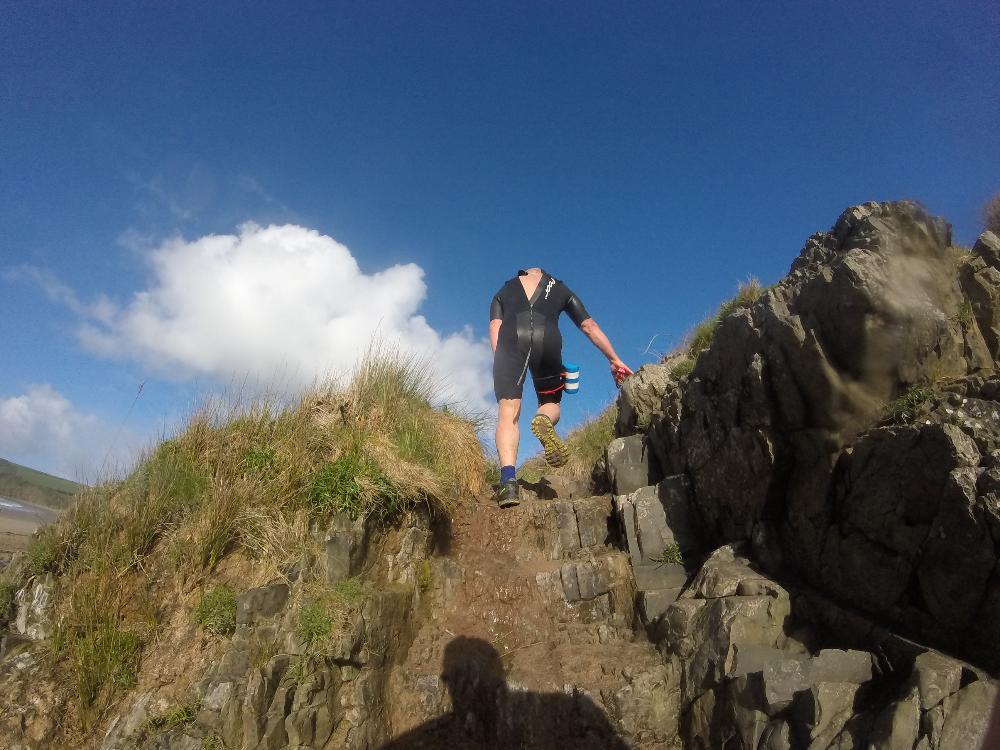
<point x="508" y="432"/>
<point x="551" y="411"/>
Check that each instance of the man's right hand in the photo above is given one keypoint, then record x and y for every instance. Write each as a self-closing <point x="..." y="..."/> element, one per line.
<point x="620" y="371"/>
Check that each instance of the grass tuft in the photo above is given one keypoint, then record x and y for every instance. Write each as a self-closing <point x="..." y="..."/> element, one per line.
<point x="747" y="292"/>
<point x="325" y="613"/>
<point x="964" y="315"/>
<point x="216" y="612"/>
<point x="671" y="555"/>
<point x="8" y="594"/>
<point x="682" y="369"/>
<point x="904" y="409"/>
<point x="178" y="716"/>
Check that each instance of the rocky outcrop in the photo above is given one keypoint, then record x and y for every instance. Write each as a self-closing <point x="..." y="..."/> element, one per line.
<point x="754" y="678"/>
<point x="777" y="431"/>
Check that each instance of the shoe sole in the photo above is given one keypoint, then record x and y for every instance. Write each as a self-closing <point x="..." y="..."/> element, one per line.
<point x="556" y="451"/>
<point x="510" y="503"/>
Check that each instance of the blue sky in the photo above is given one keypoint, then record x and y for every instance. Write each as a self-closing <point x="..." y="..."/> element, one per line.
<point x="650" y="154"/>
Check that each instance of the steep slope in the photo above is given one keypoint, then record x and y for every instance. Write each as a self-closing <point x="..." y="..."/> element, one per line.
<point x="36" y="487"/>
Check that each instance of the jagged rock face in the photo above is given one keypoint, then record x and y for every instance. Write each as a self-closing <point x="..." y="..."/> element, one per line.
<point x="773" y="427"/>
<point x="749" y="680"/>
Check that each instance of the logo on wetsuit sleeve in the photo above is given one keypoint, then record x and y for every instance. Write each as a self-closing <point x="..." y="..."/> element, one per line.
<point x="548" y="287"/>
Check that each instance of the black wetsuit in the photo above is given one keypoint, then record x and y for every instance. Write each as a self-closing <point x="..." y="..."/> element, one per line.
<point x="529" y="337"/>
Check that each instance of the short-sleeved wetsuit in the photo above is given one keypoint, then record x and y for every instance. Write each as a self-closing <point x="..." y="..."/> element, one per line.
<point x="529" y="338"/>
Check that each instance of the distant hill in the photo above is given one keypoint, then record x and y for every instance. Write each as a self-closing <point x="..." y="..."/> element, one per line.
<point x="36" y="487"/>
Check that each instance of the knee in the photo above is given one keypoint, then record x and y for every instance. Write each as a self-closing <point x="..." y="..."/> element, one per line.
<point x="509" y="410"/>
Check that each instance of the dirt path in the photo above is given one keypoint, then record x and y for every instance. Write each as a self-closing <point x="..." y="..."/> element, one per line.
<point x="530" y="639"/>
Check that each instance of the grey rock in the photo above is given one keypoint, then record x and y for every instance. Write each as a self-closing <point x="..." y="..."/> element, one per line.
<point x="628" y="464"/>
<point x="898" y="726"/>
<point x="34" y="605"/>
<point x="592" y="517"/>
<point x="777" y="736"/>
<point x="824" y="709"/>
<point x="778" y="432"/>
<point x="340" y="543"/>
<point x="836" y="665"/>
<point x="781" y="681"/>
<point x="935" y="676"/>
<point x="126" y="728"/>
<point x="643" y="520"/>
<point x="653" y="604"/>
<point x="261" y="602"/>
<point x="641" y="396"/>
<point x="655" y="576"/>
<point x="972" y="719"/>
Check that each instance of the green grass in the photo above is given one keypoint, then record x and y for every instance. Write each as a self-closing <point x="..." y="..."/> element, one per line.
<point x="106" y="662"/>
<point x="682" y="369"/>
<point x="216" y="612"/>
<point x="178" y="716"/>
<point x="8" y="592"/>
<point x="324" y="613"/>
<point x="213" y="742"/>
<point x="354" y="484"/>
<point x="964" y="315"/>
<point x="45" y="553"/>
<point x="248" y="480"/>
<point x="700" y="339"/>
<point x="315" y="623"/>
<point x="36" y="487"/>
<point x="904" y="409"/>
<point x="671" y="555"/>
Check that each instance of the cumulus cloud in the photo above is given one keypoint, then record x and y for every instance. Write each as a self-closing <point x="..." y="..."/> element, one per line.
<point x="284" y="305"/>
<point x="43" y="430"/>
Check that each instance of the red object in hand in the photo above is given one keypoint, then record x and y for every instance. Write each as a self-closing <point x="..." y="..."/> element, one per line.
<point x="619" y="373"/>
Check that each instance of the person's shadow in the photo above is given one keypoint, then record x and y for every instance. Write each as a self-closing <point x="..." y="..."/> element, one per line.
<point x="487" y="714"/>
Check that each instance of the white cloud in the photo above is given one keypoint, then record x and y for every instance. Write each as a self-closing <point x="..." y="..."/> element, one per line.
<point x="285" y="305"/>
<point x="43" y="430"/>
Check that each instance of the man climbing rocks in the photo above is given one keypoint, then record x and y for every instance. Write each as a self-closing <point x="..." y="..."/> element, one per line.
<point x="524" y="332"/>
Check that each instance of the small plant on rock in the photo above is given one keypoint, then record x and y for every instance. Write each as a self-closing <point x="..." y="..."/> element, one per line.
<point x="904" y="409"/>
<point x="216" y="612"/>
<point x="7" y="594"/>
<point x="682" y="369"/>
<point x="964" y="315"/>
<point x="747" y="292"/>
<point x="671" y="555"/>
<point x="326" y="613"/>
<point x="179" y="715"/>
<point x="425" y="575"/>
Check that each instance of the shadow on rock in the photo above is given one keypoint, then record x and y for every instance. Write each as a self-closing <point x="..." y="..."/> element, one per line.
<point x="486" y="713"/>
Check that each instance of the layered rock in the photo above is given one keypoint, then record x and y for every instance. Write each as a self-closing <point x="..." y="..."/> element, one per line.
<point x="776" y="428"/>
<point x="753" y="676"/>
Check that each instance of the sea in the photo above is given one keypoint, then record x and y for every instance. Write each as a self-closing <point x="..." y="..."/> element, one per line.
<point x="9" y="505"/>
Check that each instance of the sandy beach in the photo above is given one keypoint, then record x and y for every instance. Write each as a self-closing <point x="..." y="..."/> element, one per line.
<point x="18" y="521"/>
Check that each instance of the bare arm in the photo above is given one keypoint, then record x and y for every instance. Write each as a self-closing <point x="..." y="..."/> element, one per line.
<point x="597" y="337"/>
<point x="495" y="333"/>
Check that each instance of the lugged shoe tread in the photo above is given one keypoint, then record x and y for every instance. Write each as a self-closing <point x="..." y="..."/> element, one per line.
<point x="556" y="451"/>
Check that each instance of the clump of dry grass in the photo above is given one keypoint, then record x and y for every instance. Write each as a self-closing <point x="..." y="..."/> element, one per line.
<point x="244" y="479"/>
<point x="747" y="292"/>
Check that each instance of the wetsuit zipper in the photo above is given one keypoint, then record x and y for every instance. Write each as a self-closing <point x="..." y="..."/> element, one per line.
<point x="531" y="340"/>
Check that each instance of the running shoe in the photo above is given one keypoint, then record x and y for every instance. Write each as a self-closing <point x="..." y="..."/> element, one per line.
<point x="508" y="494"/>
<point x="556" y="451"/>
